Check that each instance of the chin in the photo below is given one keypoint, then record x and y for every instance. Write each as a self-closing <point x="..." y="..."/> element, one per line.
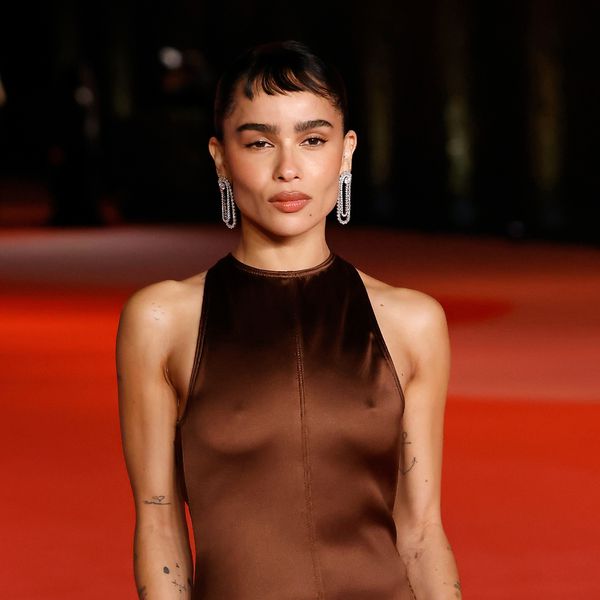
<point x="288" y="225"/>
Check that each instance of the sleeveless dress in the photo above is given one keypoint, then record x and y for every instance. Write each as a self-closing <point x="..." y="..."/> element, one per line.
<point x="288" y="443"/>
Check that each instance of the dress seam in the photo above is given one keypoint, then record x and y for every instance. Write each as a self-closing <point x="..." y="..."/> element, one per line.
<point x="306" y="466"/>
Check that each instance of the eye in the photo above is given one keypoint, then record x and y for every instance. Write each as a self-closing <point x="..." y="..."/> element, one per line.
<point x="257" y="144"/>
<point x="317" y="141"/>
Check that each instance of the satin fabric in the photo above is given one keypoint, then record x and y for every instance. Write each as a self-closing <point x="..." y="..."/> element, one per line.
<point x="289" y="440"/>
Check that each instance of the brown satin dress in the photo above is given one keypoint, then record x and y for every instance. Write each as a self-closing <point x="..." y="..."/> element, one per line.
<point x="288" y="444"/>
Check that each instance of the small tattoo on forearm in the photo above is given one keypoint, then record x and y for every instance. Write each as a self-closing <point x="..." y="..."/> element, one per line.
<point x="410" y="587"/>
<point x="156" y="500"/>
<point x="404" y="436"/>
<point x="180" y="586"/>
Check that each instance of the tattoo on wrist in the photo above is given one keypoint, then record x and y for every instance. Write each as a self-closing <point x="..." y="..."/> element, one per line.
<point x="157" y="500"/>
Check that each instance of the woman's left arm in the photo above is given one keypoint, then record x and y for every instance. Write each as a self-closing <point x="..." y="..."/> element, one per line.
<point x="421" y="540"/>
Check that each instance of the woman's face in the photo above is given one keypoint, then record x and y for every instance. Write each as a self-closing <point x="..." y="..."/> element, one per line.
<point x="290" y="142"/>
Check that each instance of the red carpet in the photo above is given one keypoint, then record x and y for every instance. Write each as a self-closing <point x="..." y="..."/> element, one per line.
<point x="522" y="445"/>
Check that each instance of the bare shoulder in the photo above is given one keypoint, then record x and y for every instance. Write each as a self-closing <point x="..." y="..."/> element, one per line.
<point x="412" y="323"/>
<point x="157" y="310"/>
<point x="414" y="308"/>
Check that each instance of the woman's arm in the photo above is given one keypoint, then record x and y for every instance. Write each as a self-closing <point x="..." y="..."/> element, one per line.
<point x="422" y="542"/>
<point x="148" y="413"/>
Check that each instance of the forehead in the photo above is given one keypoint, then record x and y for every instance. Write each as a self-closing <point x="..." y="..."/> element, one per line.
<point x="282" y="109"/>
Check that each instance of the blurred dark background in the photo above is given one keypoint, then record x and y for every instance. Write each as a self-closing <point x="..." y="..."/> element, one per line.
<point x="472" y="116"/>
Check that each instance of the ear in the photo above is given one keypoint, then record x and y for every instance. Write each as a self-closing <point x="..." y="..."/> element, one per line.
<point x="350" y="141"/>
<point x="216" y="151"/>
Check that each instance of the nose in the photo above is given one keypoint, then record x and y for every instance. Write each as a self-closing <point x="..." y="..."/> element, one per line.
<point x="287" y="167"/>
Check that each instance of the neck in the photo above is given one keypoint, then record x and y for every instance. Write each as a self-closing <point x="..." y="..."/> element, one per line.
<point x="283" y="253"/>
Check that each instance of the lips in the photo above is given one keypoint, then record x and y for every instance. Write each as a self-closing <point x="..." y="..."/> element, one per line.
<point x="289" y="197"/>
<point x="289" y="202"/>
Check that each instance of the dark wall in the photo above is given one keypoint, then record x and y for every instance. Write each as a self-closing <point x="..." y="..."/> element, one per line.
<point x="471" y="116"/>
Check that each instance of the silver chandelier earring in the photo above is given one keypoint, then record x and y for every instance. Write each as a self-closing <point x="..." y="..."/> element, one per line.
<point x="343" y="200"/>
<point x="227" y="202"/>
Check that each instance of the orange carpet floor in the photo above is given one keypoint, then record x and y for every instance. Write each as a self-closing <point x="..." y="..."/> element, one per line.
<point x="521" y="491"/>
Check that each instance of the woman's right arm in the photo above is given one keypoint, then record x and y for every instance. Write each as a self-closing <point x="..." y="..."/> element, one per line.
<point x="148" y="413"/>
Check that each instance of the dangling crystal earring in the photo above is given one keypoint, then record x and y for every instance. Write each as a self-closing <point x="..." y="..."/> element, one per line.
<point x="343" y="200"/>
<point x="227" y="202"/>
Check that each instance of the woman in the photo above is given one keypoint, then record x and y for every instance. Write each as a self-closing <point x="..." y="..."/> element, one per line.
<point x="295" y="403"/>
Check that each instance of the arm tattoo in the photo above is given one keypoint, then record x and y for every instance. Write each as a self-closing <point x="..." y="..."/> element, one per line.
<point x="180" y="587"/>
<point x="412" y="464"/>
<point x="142" y="593"/>
<point x="157" y="500"/>
<point x="414" y="460"/>
<point x="410" y="587"/>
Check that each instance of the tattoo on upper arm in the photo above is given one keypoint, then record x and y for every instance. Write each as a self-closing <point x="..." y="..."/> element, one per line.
<point x="412" y="464"/>
<point x="157" y="311"/>
<point x="414" y="459"/>
<point x="157" y="500"/>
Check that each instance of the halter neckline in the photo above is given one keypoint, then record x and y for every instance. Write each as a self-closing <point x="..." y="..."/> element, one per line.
<point x="285" y="273"/>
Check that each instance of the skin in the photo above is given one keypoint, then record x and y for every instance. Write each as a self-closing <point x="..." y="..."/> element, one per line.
<point x="155" y="344"/>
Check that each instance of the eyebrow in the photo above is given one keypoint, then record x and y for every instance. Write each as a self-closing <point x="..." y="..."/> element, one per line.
<point x="306" y="125"/>
<point x="300" y="127"/>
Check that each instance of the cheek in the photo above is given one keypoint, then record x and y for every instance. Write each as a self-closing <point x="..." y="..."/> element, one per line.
<point x="247" y="170"/>
<point x="323" y="166"/>
<point x="326" y="166"/>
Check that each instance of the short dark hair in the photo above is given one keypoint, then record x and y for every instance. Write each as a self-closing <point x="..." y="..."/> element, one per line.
<point x="277" y="68"/>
